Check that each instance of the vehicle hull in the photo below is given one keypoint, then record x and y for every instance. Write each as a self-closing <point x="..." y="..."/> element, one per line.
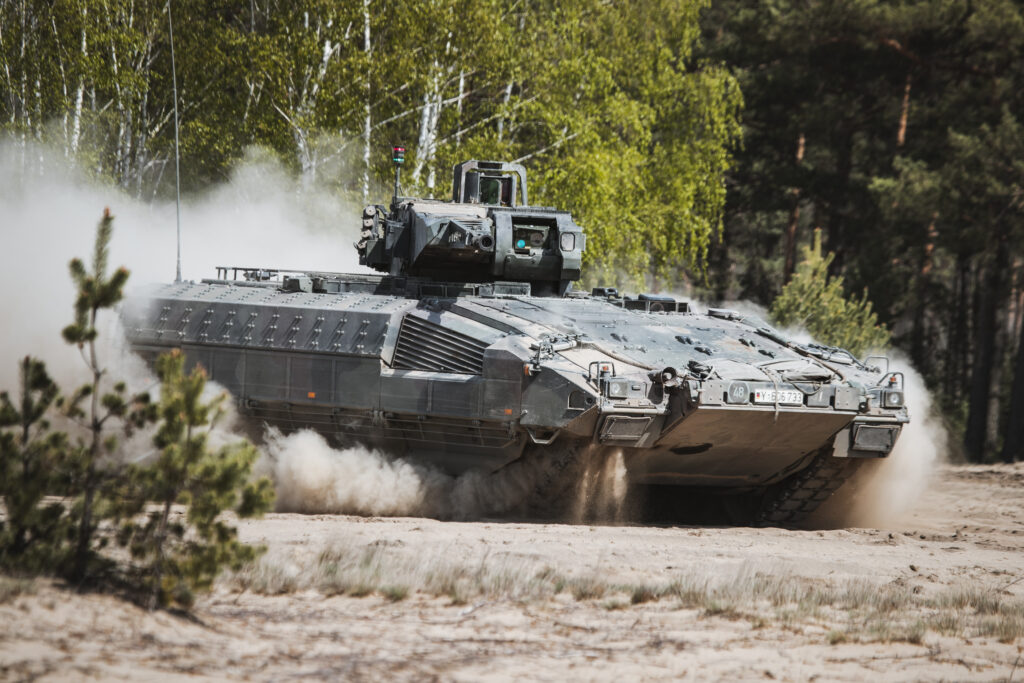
<point x="471" y="382"/>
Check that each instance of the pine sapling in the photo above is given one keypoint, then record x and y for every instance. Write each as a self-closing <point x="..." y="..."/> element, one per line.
<point x="90" y="472"/>
<point x="180" y="555"/>
<point x="29" y="457"/>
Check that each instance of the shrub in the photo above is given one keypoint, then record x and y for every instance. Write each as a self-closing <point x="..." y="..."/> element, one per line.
<point x="816" y="302"/>
<point x="179" y="557"/>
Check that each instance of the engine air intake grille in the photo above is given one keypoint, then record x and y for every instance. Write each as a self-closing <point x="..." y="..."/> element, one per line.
<point x="423" y="345"/>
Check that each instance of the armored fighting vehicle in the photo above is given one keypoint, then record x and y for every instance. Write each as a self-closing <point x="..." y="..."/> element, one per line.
<point x="472" y="351"/>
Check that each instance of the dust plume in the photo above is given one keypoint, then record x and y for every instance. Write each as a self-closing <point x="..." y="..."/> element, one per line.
<point x="883" y="490"/>
<point x="310" y="476"/>
<point x="600" y="495"/>
<point x="48" y="213"/>
<point x="49" y="209"/>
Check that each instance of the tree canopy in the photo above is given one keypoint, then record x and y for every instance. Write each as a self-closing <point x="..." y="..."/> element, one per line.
<point x="606" y="103"/>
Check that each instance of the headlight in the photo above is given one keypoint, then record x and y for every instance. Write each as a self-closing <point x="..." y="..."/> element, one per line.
<point x="892" y="398"/>
<point x="618" y="388"/>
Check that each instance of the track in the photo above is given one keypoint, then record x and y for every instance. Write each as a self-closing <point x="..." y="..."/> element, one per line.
<point x="806" y="490"/>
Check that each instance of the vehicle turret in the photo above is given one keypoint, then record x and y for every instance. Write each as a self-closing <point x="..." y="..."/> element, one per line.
<point x="488" y="232"/>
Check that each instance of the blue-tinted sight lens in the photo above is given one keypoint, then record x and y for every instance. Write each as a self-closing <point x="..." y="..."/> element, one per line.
<point x="521" y="244"/>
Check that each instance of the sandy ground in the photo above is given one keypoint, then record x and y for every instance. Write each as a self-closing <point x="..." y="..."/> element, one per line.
<point x="967" y="531"/>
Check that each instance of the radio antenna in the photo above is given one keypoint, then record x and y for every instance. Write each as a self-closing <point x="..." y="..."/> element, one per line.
<point x="177" y="162"/>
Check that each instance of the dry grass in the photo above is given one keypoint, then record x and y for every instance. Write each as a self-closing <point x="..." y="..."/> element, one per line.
<point x="854" y="610"/>
<point x="358" y="572"/>
<point x="10" y="588"/>
<point x="977" y="611"/>
<point x="588" y="587"/>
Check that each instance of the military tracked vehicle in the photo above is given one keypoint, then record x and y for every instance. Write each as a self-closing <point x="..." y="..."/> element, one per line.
<point x="471" y="350"/>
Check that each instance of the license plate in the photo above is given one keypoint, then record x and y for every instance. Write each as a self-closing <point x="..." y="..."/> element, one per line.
<point x="785" y="396"/>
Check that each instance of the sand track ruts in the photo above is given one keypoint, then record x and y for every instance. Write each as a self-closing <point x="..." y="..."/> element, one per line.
<point x="968" y="530"/>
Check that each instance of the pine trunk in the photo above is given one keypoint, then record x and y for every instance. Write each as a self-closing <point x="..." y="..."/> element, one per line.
<point x="959" y="375"/>
<point x="975" y="436"/>
<point x="158" y="561"/>
<point x="1013" y="444"/>
<point x="837" y="202"/>
<point x="922" y="359"/>
<point x="901" y="132"/>
<point x="92" y="475"/>
<point x="794" y="219"/>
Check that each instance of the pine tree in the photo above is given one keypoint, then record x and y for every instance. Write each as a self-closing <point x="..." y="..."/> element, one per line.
<point x="29" y="454"/>
<point x="89" y="464"/>
<point x="181" y="556"/>
<point x="816" y="302"/>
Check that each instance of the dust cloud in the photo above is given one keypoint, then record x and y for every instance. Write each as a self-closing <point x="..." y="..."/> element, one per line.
<point x="883" y="491"/>
<point x="601" y="493"/>
<point x="49" y="209"/>
<point x="311" y="476"/>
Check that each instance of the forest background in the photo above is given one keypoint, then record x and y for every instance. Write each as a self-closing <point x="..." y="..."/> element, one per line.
<point x="700" y="144"/>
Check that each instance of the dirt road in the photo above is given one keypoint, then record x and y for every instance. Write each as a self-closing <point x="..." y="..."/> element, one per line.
<point x="936" y="595"/>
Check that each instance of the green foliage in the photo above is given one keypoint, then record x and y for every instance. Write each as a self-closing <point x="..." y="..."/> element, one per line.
<point x="606" y="103"/>
<point x="816" y="302"/>
<point x="30" y="456"/>
<point x="89" y="464"/>
<point x="893" y="126"/>
<point x="95" y="289"/>
<point x="179" y="554"/>
<point x="176" y="554"/>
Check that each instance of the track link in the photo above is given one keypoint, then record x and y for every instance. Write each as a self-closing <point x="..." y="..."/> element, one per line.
<point x="802" y="493"/>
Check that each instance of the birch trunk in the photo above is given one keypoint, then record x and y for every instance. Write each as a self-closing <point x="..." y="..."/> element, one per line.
<point x="120" y="108"/>
<point x="307" y="108"/>
<point x="63" y="87"/>
<point x="367" y="113"/>
<point x="76" y="117"/>
<point x="37" y="95"/>
<point x="426" y="148"/>
<point x="25" y="119"/>
<point x="504" y="102"/>
<point x="458" y="106"/>
<point x="7" y="78"/>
